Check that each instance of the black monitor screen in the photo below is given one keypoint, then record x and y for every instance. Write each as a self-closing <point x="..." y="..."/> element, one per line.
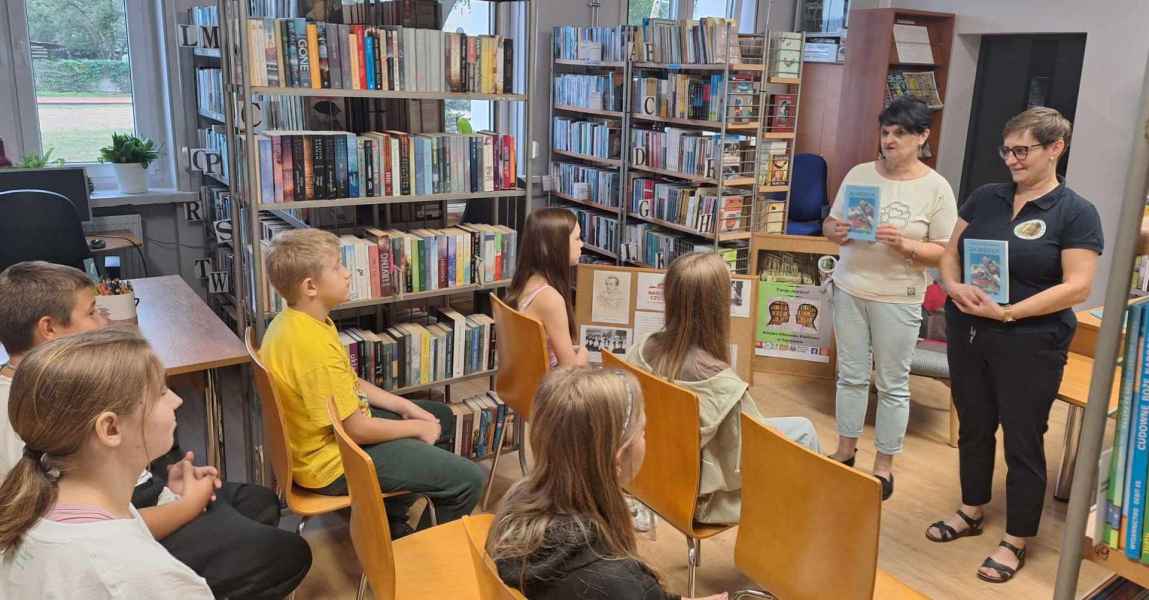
<point x="68" y="182"/>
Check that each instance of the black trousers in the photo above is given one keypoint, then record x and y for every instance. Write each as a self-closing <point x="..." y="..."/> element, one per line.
<point x="1006" y="376"/>
<point x="235" y="544"/>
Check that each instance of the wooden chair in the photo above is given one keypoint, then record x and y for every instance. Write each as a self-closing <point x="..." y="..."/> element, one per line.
<point x="669" y="478"/>
<point x="523" y="362"/>
<point x="491" y="586"/>
<point x="809" y="526"/>
<point x="299" y="500"/>
<point x="432" y="563"/>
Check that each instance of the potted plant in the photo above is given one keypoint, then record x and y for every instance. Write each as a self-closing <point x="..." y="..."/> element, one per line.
<point x="130" y="157"/>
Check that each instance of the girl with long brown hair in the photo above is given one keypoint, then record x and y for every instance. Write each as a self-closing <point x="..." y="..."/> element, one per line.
<point x="541" y="288"/>
<point x="93" y="411"/>
<point x="693" y="351"/>
<point x="564" y="532"/>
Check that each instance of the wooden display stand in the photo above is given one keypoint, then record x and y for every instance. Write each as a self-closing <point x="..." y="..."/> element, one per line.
<point x="741" y="329"/>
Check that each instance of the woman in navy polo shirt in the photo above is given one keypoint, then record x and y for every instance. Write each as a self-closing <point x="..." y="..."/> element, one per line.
<point x="1006" y="358"/>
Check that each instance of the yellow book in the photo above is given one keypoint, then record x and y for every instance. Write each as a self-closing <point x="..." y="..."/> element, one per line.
<point x="426" y="374"/>
<point x="487" y="47"/>
<point x="313" y="55"/>
<point x="353" y="42"/>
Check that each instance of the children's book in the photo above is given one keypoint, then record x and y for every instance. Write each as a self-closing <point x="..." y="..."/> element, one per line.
<point x="1139" y="463"/>
<point x="862" y="212"/>
<point x="1129" y="386"/>
<point x="987" y="267"/>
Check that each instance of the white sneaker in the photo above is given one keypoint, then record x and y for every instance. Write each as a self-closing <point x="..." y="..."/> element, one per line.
<point x="643" y="516"/>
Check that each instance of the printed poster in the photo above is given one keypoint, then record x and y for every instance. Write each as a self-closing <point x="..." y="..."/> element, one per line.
<point x="647" y="323"/>
<point x="611" y="297"/>
<point x="794" y="321"/>
<point x="597" y="338"/>
<point x="650" y="292"/>
<point x="740" y="298"/>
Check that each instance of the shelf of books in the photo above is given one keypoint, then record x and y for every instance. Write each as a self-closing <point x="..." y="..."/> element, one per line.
<point x="778" y="131"/>
<point x="348" y="105"/>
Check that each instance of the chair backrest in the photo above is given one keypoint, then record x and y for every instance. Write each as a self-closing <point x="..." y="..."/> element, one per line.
<point x="523" y="358"/>
<point x="274" y="426"/>
<point x="40" y="225"/>
<point x="370" y="533"/>
<point x="491" y="586"/>
<point x="808" y="194"/>
<point x="668" y="479"/>
<point x="799" y="507"/>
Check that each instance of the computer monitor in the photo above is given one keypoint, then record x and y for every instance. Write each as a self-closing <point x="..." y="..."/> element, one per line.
<point x="69" y="182"/>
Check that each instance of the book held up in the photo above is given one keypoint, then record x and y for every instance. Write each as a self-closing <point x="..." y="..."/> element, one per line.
<point x="986" y="266"/>
<point x="862" y="210"/>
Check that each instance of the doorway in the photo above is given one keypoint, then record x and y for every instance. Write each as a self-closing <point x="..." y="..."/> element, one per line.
<point x="1016" y="72"/>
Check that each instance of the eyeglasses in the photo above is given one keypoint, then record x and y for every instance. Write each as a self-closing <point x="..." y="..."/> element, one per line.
<point x="1018" y="152"/>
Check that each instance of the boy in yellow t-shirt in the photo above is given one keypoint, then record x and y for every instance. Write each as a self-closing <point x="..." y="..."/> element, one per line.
<point x="309" y="365"/>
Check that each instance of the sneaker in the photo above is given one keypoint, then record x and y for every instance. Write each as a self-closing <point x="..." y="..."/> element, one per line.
<point x="643" y="517"/>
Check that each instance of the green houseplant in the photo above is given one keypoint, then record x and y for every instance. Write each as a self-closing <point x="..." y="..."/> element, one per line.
<point x="130" y="157"/>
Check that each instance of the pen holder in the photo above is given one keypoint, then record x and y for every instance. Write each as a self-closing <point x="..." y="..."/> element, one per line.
<point x="119" y="307"/>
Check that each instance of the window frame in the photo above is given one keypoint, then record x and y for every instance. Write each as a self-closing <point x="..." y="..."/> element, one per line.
<point x="20" y="125"/>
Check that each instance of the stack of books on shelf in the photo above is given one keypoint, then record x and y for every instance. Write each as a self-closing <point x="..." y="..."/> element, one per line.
<point x="690" y="207"/>
<point x="922" y="85"/>
<point x="388" y="263"/>
<point x="785" y="54"/>
<point x="688" y="151"/>
<point x="745" y="97"/>
<point x="600" y="138"/>
<point x="590" y="184"/>
<point x="774" y="169"/>
<point x="596" y="92"/>
<point x="304" y="54"/>
<point x="706" y="41"/>
<point x="205" y="16"/>
<point x="209" y="92"/>
<point x="214" y="138"/>
<point x="479" y="422"/>
<point x="447" y="345"/>
<point x="679" y="96"/>
<point x="607" y="44"/>
<point x="649" y="246"/>
<point x="598" y="231"/>
<point x="781" y="113"/>
<point x="316" y="165"/>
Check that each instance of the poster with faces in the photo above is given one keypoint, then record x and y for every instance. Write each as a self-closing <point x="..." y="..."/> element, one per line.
<point x="611" y="297"/>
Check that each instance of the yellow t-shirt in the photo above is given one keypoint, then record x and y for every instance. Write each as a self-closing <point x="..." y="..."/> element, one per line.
<point x="309" y="365"/>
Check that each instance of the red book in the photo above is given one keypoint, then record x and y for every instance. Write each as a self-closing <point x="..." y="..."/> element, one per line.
<point x="388" y="181"/>
<point x="782" y="110"/>
<point x="288" y="169"/>
<point x="277" y="166"/>
<point x="373" y="261"/>
<point x="361" y="75"/>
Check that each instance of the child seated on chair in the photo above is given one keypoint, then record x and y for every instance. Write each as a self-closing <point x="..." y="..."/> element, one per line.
<point x="692" y="350"/>
<point x="564" y="532"/>
<point x="228" y="536"/>
<point x="308" y="365"/>
<point x="541" y="287"/>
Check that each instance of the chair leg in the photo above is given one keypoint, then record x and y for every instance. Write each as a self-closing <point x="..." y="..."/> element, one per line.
<point x="362" y="588"/>
<point x="953" y="442"/>
<point x="522" y="426"/>
<point x="302" y="524"/>
<point x="693" y="561"/>
<point x="431" y="509"/>
<point x="494" y="467"/>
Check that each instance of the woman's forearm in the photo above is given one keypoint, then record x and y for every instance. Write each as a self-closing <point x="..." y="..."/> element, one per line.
<point x="1057" y="298"/>
<point x="927" y="254"/>
<point x="950" y="269"/>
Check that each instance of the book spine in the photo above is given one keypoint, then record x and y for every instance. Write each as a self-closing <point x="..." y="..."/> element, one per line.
<point x="1120" y="448"/>
<point x="1140" y="462"/>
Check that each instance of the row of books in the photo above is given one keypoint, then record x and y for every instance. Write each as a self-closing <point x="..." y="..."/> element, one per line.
<point x="214" y="138"/>
<point x="693" y="207"/>
<point x="608" y="44"/>
<point x="444" y="346"/>
<point x="922" y="85"/>
<point x="317" y="165"/>
<point x="774" y="169"/>
<point x="385" y="263"/>
<point x="598" y="92"/>
<point x="706" y="41"/>
<point x="648" y="245"/>
<point x="1124" y="509"/>
<point x="408" y="13"/>
<point x="592" y="184"/>
<point x="601" y="138"/>
<point x="681" y="96"/>
<point x="478" y="423"/>
<point x="302" y="54"/>
<point x="598" y="230"/>
<point x="210" y="96"/>
<point x="688" y="151"/>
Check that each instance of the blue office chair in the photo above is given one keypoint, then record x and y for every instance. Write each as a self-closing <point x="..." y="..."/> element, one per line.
<point x="40" y="225"/>
<point x="807" y="195"/>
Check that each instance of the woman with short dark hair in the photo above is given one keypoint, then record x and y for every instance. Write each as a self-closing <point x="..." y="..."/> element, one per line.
<point x="1007" y="355"/>
<point x="908" y="210"/>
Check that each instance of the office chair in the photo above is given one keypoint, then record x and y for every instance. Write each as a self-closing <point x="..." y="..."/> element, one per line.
<point x="40" y="225"/>
<point x="807" y="195"/>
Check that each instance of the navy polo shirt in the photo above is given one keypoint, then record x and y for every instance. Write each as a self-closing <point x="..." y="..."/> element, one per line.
<point x="1044" y="227"/>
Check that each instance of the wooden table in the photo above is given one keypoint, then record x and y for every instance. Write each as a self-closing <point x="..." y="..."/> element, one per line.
<point x="188" y="338"/>
<point x="114" y="240"/>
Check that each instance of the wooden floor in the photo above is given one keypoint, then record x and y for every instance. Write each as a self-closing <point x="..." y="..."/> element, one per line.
<point x="927" y="490"/>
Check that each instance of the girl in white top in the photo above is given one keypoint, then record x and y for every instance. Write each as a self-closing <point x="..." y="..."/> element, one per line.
<point x="93" y="411"/>
<point x="541" y="288"/>
<point x="879" y="286"/>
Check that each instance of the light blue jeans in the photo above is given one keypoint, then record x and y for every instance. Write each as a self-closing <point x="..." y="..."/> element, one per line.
<point x="882" y="334"/>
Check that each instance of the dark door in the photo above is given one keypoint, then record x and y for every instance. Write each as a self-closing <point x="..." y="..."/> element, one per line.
<point x="1016" y="72"/>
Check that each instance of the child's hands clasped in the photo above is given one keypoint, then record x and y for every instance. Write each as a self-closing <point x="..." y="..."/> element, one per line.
<point x="195" y="484"/>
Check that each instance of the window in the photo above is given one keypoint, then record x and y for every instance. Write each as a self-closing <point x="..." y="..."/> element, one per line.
<point x="472" y="17"/>
<point x="637" y="10"/>
<point x="81" y="70"/>
<point x="746" y="11"/>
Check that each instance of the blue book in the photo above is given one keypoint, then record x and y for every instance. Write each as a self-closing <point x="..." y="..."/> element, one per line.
<point x="1121" y="444"/>
<point x="987" y="267"/>
<point x="354" y="149"/>
<point x="1139" y="459"/>
<point x="420" y="144"/>
<point x="369" y="58"/>
<point x="863" y="210"/>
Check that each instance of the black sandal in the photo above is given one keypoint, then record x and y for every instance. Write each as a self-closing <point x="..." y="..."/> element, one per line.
<point x="849" y="462"/>
<point x="887" y="486"/>
<point x="950" y="534"/>
<point x="1006" y="573"/>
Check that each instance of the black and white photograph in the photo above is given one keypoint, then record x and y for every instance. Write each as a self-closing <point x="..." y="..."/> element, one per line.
<point x="611" y="339"/>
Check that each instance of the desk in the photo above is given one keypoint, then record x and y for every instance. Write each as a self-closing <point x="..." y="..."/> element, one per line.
<point x="115" y="240"/>
<point x="1074" y="391"/>
<point x="188" y="338"/>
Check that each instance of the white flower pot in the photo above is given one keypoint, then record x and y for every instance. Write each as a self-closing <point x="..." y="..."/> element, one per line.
<point x="132" y="178"/>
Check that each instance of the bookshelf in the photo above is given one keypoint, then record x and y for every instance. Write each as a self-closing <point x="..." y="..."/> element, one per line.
<point x="781" y="97"/>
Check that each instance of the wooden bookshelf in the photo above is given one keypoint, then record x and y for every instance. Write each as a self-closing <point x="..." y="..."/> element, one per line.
<point x="871" y="58"/>
<point x="605" y="162"/>
<point x="590" y="63"/>
<point x="698" y="66"/>
<point x="614" y="114"/>
<point x="587" y="203"/>
<point x="395" y="94"/>
<point x="383" y="200"/>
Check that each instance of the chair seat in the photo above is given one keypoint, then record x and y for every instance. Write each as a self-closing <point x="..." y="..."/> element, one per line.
<point x="930" y="360"/>
<point x="703" y="531"/>
<point x="307" y="503"/>
<point x="804" y="228"/>
<point x="435" y="563"/>
<point x="886" y="587"/>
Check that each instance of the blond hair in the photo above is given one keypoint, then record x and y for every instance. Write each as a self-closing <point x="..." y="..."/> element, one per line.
<point x="33" y="290"/>
<point x="1046" y="124"/>
<point x="57" y="393"/>
<point x="296" y="255"/>
<point x="697" y="293"/>
<point x="580" y="420"/>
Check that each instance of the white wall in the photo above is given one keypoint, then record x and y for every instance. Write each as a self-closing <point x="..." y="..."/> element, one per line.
<point x="1116" y="48"/>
